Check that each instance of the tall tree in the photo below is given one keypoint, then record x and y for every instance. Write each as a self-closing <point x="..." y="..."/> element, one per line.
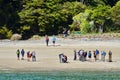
<point x="50" y="16"/>
<point x="116" y="16"/>
<point x="116" y="13"/>
<point x="100" y="15"/>
<point x="8" y="12"/>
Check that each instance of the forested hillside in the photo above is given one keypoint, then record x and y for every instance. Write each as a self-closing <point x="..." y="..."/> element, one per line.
<point x="40" y="17"/>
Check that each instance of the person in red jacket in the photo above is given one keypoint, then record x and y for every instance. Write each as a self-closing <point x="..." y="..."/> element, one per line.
<point x="47" y="40"/>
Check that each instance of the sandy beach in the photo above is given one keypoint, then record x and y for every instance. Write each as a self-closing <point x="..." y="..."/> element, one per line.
<point x="47" y="57"/>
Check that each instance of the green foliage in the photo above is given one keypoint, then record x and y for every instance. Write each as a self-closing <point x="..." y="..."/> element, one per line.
<point x="81" y="22"/>
<point x="40" y="17"/>
<point x="25" y="30"/>
<point x="116" y="13"/>
<point x="5" y="33"/>
<point x="48" y="17"/>
<point x="100" y="15"/>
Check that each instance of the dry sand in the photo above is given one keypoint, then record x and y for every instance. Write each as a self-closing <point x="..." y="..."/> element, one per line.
<point x="47" y="57"/>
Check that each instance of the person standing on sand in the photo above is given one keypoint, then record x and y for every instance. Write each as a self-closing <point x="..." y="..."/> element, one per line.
<point x="97" y="54"/>
<point x="33" y="56"/>
<point x="28" y="53"/>
<point x="64" y="59"/>
<point x="110" y="56"/>
<point x="75" y="55"/>
<point x="85" y="55"/>
<point x="103" y="54"/>
<point x="18" y="54"/>
<point x="94" y="56"/>
<point x="54" y="40"/>
<point x="60" y="57"/>
<point x="47" y="40"/>
<point x="22" y="53"/>
<point x="89" y="55"/>
<point x="81" y="55"/>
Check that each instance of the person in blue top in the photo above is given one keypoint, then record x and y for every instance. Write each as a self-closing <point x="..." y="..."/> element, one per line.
<point x="89" y="55"/>
<point x="54" y="40"/>
<point x="22" y="53"/>
<point x="97" y="54"/>
<point x="103" y="54"/>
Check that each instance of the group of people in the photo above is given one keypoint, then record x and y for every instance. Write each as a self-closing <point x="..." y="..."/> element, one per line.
<point x="82" y="55"/>
<point x="63" y="58"/>
<point x="29" y="55"/>
<point x="53" y="40"/>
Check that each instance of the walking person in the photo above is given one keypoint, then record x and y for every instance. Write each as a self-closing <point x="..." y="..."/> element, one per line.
<point x="47" y="40"/>
<point x="110" y="56"/>
<point x="22" y="53"/>
<point x="54" y="40"/>
<point x="18" y="54"/>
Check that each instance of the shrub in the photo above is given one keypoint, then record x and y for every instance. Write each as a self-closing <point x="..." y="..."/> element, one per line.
<point x="5" y="33"/>
<point x="35" y="37"/>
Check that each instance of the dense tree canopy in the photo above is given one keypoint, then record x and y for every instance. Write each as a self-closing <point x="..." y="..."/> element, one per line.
<point x="50" y="17"/>
<point x="30" y="17"/>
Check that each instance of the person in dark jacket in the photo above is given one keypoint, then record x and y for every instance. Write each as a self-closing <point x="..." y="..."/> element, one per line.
<point x="18" y="54"/>
<point x="110" y="56"/>
<point x="75" y="55"/>
<point x="22" y="53"/>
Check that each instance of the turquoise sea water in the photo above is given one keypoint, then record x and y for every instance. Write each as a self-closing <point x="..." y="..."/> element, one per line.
<point x="60" y="75"/>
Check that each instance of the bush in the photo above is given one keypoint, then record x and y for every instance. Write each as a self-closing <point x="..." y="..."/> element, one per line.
<point x="35" y="37"/>
<point x="16" y="37"/>
<point x="5" y="33"/>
